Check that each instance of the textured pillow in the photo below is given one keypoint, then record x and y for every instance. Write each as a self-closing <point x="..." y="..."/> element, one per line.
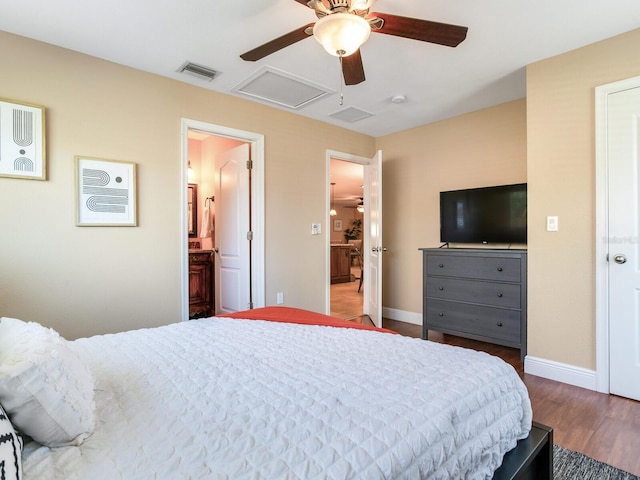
<point x="44" y="387"/>
<point x="10" y="450"/>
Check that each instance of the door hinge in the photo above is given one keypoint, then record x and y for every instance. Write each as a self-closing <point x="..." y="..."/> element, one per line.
<point x="249" y="235"/>
<point x="249" y="164"/>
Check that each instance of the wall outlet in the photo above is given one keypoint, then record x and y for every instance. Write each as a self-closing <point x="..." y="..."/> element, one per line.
<point x="316" y="229"/>
<point x="552" y="224"/>
<point x="279" y="298"/>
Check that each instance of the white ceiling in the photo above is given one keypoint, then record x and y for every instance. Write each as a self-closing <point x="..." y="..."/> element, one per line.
<point x="439" y="82"/>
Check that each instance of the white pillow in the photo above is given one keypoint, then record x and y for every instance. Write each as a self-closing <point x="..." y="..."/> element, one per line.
<point x="10" y="450"/>
<point x="44" y="387"/>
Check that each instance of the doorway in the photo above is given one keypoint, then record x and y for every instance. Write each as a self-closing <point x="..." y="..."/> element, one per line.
<point x="207" y="150"/>
<point x="371" y="232"/>
<point x="346" y="239"/>
<point x="617" y="224"/>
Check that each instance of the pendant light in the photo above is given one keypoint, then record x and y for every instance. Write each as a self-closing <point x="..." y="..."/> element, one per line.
<point x="332" y="212"/>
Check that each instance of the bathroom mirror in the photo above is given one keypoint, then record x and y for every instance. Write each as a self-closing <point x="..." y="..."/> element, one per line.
<point x="192" y="205"/>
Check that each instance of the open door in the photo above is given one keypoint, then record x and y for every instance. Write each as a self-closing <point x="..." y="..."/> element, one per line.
<point x="373" y="248"/>
<point x="232" y="245"/>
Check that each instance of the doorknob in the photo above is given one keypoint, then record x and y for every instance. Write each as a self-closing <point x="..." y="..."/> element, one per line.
<point x="379" y="249"/>
<point x="619" y="258"/>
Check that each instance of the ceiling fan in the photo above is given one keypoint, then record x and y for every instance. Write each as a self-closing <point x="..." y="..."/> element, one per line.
<point x="358" y="206"/>
<point x="334" y="15"/>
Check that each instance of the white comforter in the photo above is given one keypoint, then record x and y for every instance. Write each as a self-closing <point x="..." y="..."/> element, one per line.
<point x="243" y="399"/>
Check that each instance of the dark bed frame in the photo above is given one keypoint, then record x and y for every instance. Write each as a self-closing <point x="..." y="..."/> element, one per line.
<point x="531" y="459"/>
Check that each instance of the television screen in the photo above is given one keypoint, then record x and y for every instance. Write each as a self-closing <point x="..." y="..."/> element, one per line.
<point x="484" y="215"/>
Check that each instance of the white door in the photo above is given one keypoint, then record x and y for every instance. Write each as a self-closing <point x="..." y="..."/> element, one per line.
<point x="623" y="153"/>
<point x="373" y="248"/>
<point x="231" y="245"/>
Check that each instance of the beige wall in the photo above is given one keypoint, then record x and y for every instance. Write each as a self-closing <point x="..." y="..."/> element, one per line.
<point x="482" y="148"/>
<point x="561" y="177"/>
<point x="89" y="280"/>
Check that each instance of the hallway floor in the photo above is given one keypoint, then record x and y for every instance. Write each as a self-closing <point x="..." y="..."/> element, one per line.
<point x="346" y="302"/>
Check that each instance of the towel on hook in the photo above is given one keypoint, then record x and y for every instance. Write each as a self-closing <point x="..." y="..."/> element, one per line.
<point x="205" y="231"/>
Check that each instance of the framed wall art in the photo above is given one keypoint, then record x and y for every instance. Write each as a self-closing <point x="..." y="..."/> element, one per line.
<point x="337" y="225"/>
<point x="22" y="141"/>
<point x="105" y="192"/>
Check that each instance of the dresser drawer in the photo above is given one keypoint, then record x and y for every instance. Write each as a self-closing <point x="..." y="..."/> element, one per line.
<point x="489" y="268"/>
<point x="474" y="319"/>
<point x="486" y="293"/>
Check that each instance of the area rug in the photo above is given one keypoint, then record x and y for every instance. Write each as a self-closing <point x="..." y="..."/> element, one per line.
<point x="570" y="465"/>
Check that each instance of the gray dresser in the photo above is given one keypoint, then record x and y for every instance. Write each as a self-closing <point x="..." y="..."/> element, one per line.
<point x="476" y="293"/>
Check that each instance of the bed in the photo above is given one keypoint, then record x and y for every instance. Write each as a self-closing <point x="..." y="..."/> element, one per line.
<point x="273" y="393"/>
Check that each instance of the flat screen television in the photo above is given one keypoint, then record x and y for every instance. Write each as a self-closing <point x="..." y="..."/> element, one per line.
<point x="484" y="215"/>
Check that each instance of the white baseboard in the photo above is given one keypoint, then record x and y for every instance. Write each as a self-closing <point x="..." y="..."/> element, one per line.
<point x="560" y="372"/>
<point x="402" y="315"/>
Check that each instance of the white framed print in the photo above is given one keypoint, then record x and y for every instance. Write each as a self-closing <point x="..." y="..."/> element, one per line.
<point x="22" y="141"/>
<point x="105" y="192"/>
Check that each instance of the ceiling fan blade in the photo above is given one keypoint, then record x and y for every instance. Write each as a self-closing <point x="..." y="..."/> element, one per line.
<point x="303" y="2"/>
<point x="276" y="44"/>
<point x="423" y="30"/>
<point x="352" y="69"/>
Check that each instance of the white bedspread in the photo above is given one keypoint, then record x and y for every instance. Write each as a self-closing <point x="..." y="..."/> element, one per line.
<point x="244" y="399"/>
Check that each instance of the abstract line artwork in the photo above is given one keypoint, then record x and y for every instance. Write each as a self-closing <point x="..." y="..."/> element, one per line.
<point x="22" y="151"/>
<point x="106" y="192"/>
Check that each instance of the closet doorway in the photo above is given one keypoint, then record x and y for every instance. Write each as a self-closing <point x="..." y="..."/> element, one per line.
<point x="223" y="207"/>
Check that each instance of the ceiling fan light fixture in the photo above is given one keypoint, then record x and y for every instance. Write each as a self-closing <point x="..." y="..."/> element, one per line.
<point x="341" y="34"/>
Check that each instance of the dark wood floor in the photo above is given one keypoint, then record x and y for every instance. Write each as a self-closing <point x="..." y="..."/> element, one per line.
<point x="604" y="427"/>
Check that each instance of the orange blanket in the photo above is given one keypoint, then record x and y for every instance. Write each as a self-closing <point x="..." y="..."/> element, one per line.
<point x="297" y="315"/>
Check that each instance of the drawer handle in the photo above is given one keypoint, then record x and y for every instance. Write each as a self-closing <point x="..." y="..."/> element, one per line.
<point x="441" y="314"/>
<point x="441" y="265"/>
<point x="500" y="294"/>
<point x="441" y="288"/>
<point x="499" y="269"/>
<point x="499" y="324"/>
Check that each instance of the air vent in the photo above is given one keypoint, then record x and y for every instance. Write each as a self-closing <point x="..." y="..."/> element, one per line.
<point x="282" y="88"/>
<point x="351" y="114"/>
<point x="199" y="71"/>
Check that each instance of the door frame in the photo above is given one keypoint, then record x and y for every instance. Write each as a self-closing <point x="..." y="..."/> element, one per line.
<point x="365" y="162"/>
<point x="256" y="142"/>
<point x="601" y="228"/>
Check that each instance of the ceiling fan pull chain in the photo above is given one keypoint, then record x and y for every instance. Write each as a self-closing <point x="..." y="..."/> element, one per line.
<point x="340" y="54"/>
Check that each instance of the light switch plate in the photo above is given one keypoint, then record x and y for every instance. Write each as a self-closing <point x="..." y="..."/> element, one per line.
<point x="552" y="224"/>
<point x="316" y="229"/>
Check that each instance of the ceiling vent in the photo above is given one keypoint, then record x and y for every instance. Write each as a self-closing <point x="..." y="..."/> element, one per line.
<point x="199" y="71"/>
<point x="281" y="88"/>
<point x="351" y="114"/>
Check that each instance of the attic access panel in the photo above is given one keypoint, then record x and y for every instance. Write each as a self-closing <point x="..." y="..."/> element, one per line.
<point x="281" y="88"/>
